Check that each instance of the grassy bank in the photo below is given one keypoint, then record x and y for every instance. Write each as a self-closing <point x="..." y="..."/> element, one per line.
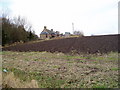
<point x="57" y="70"/>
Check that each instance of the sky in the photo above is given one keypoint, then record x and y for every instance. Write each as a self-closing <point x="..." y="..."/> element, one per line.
<point x="92" y="17"/>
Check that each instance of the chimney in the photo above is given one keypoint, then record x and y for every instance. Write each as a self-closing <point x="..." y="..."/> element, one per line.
<point x="52" y="30"/>
<point x="45" y="27"/>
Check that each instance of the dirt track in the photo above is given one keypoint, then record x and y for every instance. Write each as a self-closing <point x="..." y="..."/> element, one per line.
<point x="87" y="44"/>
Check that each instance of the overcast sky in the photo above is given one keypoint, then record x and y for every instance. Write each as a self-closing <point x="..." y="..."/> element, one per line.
<point x="90" y="16"/>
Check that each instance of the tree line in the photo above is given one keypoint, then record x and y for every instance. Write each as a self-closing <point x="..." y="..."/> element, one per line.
<point x="16" y="29"/>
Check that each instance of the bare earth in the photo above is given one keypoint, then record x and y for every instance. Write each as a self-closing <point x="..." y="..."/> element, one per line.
<point x="87" y="44"/>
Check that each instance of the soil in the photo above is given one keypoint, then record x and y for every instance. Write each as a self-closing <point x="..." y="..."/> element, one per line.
<point x="85" y="44"/>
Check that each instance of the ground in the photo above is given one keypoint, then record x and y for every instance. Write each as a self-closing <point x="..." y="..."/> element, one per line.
<point x="86" y="44"/>
<point x="59" y="70"/>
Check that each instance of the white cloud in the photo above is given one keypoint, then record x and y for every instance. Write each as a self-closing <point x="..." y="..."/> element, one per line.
<point x="90" y="16"/>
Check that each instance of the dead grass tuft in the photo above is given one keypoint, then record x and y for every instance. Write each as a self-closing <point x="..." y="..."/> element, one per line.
<point x="12" y="82"/>
<point x="0" y="79"/>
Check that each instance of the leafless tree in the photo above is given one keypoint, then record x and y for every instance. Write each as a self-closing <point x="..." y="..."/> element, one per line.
<point x="79" y="33"/>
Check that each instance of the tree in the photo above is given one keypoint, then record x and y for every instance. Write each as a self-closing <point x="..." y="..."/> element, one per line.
<point x="6" y="30"/>
<point x="79" y="33"/>
<point x="16" y="30"/>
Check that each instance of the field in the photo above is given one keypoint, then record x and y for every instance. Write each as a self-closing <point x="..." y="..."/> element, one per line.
<point x="79" y="62"/>
<point x="58" y="70"/>
<point x="87" y="44"/>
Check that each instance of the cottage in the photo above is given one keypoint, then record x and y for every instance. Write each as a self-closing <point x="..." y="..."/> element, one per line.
<point x="67" y="34"/>
<point x="47" y="34"/>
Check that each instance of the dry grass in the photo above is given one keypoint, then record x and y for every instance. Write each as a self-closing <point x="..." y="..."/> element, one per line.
<point x="0" y="80"/>
<point x="11" y="81"/>
<point x="57" y="70"/>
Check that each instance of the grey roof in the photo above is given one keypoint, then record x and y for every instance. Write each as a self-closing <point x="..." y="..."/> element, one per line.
<point x="44" y="33"/>
<point x="47" y="31"/>
<point x="67" y="32"/>
<point x="50" y="32"/>
<point x="53" y="33"/>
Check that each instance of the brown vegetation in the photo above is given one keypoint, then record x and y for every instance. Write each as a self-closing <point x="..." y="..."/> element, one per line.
<point x="11" y="81"/>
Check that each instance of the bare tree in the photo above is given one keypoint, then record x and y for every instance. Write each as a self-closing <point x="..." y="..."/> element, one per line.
<point x="16" y="29"/>
<point x="79" y="33"/>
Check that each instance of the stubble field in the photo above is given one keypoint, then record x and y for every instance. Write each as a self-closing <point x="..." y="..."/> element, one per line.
<point x="58" y="70"/>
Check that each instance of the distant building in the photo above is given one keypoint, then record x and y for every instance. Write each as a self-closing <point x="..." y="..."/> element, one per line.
<point x="47" y="34"/>
<point x="67" y="34"/>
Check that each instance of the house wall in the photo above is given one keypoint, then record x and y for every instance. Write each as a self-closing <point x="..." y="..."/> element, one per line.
<point x="43" y="36"/>
<point x="67" y="35"/>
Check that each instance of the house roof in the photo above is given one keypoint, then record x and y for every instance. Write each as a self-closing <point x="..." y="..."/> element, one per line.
<point x="67" y="32"/>
<point x="44" y="33"/>
<point x="47" y="31"/>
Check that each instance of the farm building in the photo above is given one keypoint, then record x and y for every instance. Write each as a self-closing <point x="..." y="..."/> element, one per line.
<point x="47" y="34"/>
<point x="67" y="34"/>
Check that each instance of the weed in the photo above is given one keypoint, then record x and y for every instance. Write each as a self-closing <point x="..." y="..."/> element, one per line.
<point x="44" y="60"/>
<point x="95" y="62"/>
<point x="26" y="59"/>
<point x="1" y="52"/>
<point x="82" y="61"/>
<point x="99" y="86"/>
<point x="70" y="61"/>
<point x="4" y="52"/>
<point x="68" y="57"/>
<point x="88" y="57"/>
<point x="56" y="66"/>
<point x="36" y="59"/>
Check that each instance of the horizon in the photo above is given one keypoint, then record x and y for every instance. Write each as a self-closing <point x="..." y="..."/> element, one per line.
<point x="90" y="17"/>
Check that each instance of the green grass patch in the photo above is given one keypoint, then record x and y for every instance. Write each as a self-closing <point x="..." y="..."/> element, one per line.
<point x="82" y="61"/>
<point x="0" y="52"/>
<point x="26" y="59"/>
<point x="99" y="86"/>
<point x="68" y="57"/>
<point x="55" y="66"/>
<point x="112" y="58"/>
<point x="36" y="59"/>
<point x="44" y="60"/>
<point x="95" y="62"/>
<point x="5" y="52"/>
<point x="114" y="69"/>
<point x="70" y="61"/>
